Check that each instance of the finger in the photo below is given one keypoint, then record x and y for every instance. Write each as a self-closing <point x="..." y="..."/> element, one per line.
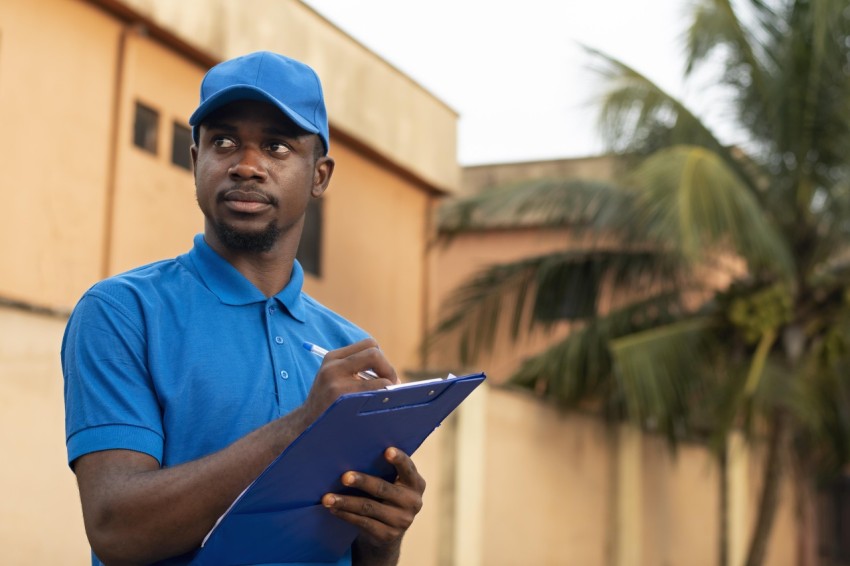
<point x="346" y="351"/>
<point x="359" y="357"/>
<point x="374" y="530"/>
<point x="369" y="514"/>
<point x="406" y="469"/>
<point x="371" y="359"/>
<point x="398" y="495"/>
<point x="361" y="506"/>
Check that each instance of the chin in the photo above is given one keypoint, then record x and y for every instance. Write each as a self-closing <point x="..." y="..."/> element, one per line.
<point x="262" y="240"/>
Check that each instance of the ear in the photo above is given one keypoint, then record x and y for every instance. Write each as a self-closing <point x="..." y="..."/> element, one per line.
<point x="322" y="172"/>
<point x="193" y="151"/>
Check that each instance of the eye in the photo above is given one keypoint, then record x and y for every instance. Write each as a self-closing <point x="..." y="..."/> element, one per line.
<point x="278" y="148"/>
<point x="224" y="143"/>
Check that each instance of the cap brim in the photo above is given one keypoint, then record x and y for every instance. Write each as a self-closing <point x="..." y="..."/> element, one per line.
<point x="246" y="92"/>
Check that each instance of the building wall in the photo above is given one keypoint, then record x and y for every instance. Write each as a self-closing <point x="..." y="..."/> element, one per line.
<point x="40" y="518"/>
<point x="482" y="177"/>
<point x="548" y="485"/>
<point x="366" y="96"/>
<point x="55" y="103"/>
<point x="154" y="213"/>
<point x="373" y="268"/>
<point x="81" y="202"/>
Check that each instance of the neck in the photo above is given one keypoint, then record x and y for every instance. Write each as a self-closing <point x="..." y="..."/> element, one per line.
<point x="268" y="274"/>
<point x="269" y="271"/>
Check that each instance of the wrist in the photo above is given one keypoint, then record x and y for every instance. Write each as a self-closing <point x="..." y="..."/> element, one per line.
<point x="366" y="553"/>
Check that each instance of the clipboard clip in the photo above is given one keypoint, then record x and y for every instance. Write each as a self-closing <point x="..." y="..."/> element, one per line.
<point x="408" y="395"/>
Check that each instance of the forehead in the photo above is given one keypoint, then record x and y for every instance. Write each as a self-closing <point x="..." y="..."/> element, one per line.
<point x="253" y="112"/>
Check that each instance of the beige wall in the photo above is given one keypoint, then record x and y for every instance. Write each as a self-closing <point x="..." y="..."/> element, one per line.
<point x="40" y="518"/>
<point x="155" y="212"/>
<point x="373" y="266"/>
<point x="366" y="97"/>
<point x="75" y="215"/>
<point x="547" y="485"/>
<point x="56" y="84"/>
<point x="481" y="177"/>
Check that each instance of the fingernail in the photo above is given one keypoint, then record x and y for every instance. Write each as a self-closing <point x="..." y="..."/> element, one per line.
<point x="349" y="478"/>
<point x="392" y="453"/>
<point x="329" y="501"/>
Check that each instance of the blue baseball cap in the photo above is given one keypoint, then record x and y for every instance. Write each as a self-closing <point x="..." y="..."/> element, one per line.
<point x="289" y="85"/>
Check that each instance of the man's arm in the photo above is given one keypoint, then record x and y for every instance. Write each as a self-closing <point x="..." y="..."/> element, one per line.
<point x="137" y="513"/>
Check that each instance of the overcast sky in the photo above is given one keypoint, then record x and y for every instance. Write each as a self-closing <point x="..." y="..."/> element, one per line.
<point x="514" y="71"/>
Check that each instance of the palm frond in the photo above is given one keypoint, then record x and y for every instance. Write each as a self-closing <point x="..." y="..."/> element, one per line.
<point x="691" y="197"/>
<point x="541" y="291"/>
<point x="638" y="117"/>
<point x="580" y="367"/>
<point x="716" y="25"/>
<point x="634" y="106"/>
<point x="661" y="371"/>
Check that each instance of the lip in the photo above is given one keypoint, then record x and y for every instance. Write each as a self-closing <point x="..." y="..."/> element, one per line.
<point x="245" y="201"/>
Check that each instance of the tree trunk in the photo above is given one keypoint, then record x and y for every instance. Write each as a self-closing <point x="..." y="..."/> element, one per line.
<point x="723" y="465"/>
<point x="770" y="489"/>
<point x="807" y="532"/>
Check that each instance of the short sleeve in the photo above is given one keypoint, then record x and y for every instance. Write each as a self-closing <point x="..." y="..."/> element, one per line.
<point x="110" y="402"/>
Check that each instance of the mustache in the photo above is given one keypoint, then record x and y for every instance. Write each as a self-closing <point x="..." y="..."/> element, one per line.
<point x="250" y="192"/>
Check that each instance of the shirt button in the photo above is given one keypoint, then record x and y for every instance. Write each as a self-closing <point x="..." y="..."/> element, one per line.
<point x="283" y="374"/>
<point x="271" y="310"/>
<point x="278" y="339"/>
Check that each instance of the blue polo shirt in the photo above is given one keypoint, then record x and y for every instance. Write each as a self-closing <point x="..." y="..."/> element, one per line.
<point x="182" y="357"/>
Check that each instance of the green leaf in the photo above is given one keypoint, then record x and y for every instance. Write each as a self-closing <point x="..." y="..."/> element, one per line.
<point x="693" y="199"/>
<point x="661" y="369"/>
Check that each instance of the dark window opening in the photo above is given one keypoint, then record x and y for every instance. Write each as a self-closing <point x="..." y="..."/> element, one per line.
<point x="181" y="140"/>
<point x="145" y="128"/>
<point x="309" y="253"/>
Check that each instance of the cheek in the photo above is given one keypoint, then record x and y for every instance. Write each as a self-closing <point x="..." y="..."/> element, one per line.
<point x="204" y="191"/>
<point x="205" y="176"/>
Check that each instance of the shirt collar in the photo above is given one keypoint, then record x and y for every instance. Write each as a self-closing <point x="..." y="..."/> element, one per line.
<point x="233" y="288"/>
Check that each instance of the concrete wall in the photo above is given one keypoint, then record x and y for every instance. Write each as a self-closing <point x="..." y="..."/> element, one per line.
<point x="482" y="177"/>
<point x="374" y="270"/>
<point x="56" y="102"/>
<point x="366" y="96"/>
<point x="40" y="517"/>
<point x="81" y="202"/>
<point x="154" y="214"/>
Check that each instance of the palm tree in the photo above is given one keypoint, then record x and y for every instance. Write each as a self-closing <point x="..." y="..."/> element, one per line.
<point x="766" y="214"/>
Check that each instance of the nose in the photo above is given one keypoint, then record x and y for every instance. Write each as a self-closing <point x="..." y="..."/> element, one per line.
<point x="249" y="165"/>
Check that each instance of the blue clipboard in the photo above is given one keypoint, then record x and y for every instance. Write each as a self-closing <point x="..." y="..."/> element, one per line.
<point x="280" y="518"/>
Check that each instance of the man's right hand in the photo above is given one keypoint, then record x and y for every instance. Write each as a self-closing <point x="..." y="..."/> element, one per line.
<point x="338" y="375"/>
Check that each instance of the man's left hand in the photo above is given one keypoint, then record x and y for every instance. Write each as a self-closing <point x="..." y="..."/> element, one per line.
<point x="386" y="511"/>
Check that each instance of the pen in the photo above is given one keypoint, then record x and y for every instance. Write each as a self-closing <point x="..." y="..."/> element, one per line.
<point x="321" y="352"/>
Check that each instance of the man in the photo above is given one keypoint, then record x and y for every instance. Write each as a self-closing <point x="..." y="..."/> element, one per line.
<point x="185" y="378"/>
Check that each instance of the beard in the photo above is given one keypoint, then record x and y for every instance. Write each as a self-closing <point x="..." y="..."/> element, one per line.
<point x="237" y="241"/>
